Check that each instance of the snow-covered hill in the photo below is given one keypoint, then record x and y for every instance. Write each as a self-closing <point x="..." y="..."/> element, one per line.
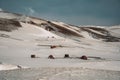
<point x="22" y="35"/>
<point x="62" y="29"/>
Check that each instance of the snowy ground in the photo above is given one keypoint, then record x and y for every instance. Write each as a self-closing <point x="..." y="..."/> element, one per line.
<point x="59" y="74"/>
<point x="18" y="53"/>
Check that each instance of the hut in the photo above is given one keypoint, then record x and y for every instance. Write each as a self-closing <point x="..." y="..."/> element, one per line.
<point x="83" y="57"/>
<point x="53" y="46"/>
<point x="33" y="56"/>
<point x="51" y="57"/>
<point x="66" y="56"/>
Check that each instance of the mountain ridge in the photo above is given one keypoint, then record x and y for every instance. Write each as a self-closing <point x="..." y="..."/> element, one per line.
<point x="60" y="28"/>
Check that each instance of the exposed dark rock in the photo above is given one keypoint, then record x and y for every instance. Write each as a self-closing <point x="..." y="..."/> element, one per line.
<point x="9" y="24"/>
<point x="105" y="36"/>
<point x="19" y="66"/>
<point x="64" y="30"/>
<point x="47" y="27"/>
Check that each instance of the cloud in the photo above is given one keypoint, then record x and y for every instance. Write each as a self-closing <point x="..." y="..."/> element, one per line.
<point x="1" y="9"/>
<point x="30" y="11"/>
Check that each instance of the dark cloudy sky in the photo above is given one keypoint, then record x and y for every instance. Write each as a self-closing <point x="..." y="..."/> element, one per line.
<point x="77" y="12"/>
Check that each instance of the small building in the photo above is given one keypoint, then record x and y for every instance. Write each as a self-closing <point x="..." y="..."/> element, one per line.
<point x="53" y="46"/>
<point x="33" y="56"/>
<point x="51" y="57"/>
<point x="84" y="57"/>
<point x="66" y="56"/>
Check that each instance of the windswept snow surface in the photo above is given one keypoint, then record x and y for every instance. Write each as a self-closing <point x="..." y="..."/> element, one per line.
<point x="59" y="74"/>
<point x="8" y="15"/>
<point x="114" y="30"/>
<point x="7" y="67"/>
<point x="18" y="45"/>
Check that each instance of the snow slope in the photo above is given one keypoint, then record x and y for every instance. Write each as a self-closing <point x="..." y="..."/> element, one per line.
<point x="114" y="30"/>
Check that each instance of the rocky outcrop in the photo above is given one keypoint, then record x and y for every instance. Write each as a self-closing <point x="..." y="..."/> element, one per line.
<point x="9" y="25"/>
